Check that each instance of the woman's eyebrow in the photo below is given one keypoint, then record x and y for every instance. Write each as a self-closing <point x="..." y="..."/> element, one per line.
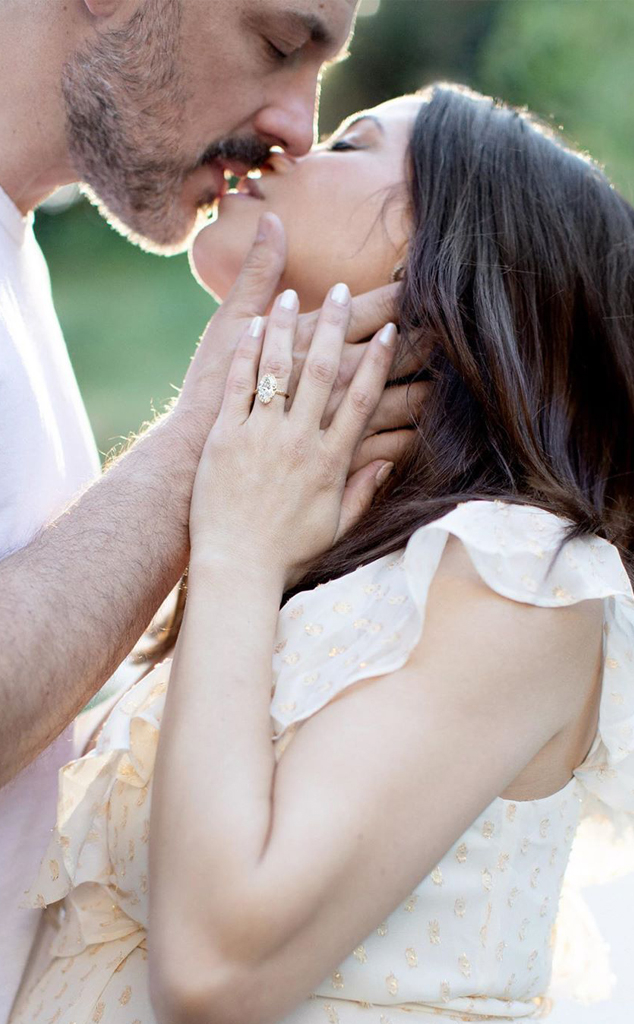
<point x="364" y="117"/>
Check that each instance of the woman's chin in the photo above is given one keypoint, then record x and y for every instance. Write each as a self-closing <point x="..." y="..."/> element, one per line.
<point x="215" y="266"/>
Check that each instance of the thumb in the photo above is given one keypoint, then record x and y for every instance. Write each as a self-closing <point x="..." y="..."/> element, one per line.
<point x="360" y="492"/>
<point x="261" y="271"/>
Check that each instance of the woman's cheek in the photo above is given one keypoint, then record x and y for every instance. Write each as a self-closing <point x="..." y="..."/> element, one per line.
<point x="312" y="259"/>
<point x="203" y="255"/>
<point x="213" y="264"/>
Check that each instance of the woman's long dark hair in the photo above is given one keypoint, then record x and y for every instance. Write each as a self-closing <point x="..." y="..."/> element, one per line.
<point x="518" y="298"/>
<point x="518" y="302"/>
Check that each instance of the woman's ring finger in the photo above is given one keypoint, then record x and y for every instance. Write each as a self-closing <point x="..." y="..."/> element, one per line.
<point x="269" y="388"/>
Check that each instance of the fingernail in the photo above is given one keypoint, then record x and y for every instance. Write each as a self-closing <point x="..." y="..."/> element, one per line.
<point x="257" y="324"/>
<point x="264" y="227"/>
<point x="387" y="336"/>
<point x="340" y="294"/>
<point x="289" y="299"/>
<point x="384" y="472"/>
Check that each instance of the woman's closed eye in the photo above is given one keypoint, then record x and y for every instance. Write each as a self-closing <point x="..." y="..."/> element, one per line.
<point x="341" y="145"/>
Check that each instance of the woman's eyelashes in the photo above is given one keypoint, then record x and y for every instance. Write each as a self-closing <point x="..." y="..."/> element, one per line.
<point x="341" y="145"/>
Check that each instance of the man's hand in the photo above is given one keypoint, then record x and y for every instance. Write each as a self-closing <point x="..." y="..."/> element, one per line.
<point x="389" y="431"/>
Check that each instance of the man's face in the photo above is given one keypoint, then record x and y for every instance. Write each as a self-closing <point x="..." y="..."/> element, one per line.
<point x="165" y="96"/>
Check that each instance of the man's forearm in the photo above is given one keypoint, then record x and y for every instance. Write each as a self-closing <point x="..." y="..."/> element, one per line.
<point x="74" y="602"/>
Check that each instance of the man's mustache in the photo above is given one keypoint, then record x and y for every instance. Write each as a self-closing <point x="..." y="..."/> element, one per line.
<point x="248" y="150"/>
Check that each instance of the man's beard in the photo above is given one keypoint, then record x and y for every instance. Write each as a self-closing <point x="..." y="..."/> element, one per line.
<point x="125" y="104"/>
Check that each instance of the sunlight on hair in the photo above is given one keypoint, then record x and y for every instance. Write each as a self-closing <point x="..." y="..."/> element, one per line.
<point x="538" y="123"/>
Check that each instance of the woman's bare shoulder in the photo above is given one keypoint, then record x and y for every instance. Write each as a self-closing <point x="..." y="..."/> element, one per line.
<point x="467" y="619"/>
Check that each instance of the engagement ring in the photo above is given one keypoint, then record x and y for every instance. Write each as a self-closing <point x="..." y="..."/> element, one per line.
<point x="267" y="389"/>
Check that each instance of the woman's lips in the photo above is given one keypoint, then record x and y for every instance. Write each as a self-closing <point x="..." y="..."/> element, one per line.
<point x="250" y="187"/>
<point x="247" y="188"/>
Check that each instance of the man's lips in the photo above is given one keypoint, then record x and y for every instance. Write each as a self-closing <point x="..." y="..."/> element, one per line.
<point x="235" y="167"/>
<point x="210" y="180"/>
<point x="217" y="173"/>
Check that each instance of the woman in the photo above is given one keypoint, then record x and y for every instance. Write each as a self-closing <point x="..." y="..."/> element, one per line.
<point x="450" y="686"/>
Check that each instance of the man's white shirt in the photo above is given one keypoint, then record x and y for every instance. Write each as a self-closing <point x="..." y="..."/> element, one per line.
<point x="47" y="454"/>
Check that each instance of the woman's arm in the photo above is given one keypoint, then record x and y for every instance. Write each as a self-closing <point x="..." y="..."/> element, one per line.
<point x="265" y="878"/>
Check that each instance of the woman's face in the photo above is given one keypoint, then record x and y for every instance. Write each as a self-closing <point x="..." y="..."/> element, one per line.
<point x="345" y="208"/>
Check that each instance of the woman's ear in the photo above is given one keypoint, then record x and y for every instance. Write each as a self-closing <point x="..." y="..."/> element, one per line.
<point x="398" y="272"/>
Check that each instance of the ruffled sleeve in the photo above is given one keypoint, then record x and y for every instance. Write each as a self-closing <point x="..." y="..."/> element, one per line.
<point x="367" y="623"/>
<point x="88" y="859"/>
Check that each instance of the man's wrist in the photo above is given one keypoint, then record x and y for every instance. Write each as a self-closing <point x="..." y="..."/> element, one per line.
<point x="186" y="434"/>
<point x="171" y="448"/>
<point x="155" y="476"/>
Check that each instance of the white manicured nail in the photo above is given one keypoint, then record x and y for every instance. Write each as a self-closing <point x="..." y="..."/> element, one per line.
<point x="340" y="294"/>
<point x="257" y="325"/>
<point x="384" y="472"/>
<point x="289" y="299"/>
<point x="387" y="336"/>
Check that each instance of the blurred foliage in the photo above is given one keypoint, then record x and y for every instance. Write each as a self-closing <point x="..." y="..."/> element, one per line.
<point x="131" y="320"/>
<point x="407" y="44"/>
<point x="573" y="60"/>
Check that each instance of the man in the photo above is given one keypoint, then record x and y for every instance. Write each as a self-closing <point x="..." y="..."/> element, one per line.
<point x="149" y="102"/>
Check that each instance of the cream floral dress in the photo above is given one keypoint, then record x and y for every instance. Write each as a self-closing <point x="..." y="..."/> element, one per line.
<point x="475" y="939"/>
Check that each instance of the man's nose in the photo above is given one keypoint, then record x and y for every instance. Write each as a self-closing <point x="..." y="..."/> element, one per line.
<point x="289" y="119"/>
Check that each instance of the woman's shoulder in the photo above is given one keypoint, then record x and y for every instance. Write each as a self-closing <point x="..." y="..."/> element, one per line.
<point x="520" y="551"/>
<point x="367" y="623"/>
<point x="524" y="553"/>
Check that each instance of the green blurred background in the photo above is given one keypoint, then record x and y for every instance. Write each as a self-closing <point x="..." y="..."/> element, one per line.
<point x="131" y="319"/>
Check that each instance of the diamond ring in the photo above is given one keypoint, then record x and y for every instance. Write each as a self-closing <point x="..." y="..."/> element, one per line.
<point x="268" y="388"/>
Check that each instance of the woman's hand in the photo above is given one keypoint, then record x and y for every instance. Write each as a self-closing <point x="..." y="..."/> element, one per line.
<point x="278" y="481"/>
